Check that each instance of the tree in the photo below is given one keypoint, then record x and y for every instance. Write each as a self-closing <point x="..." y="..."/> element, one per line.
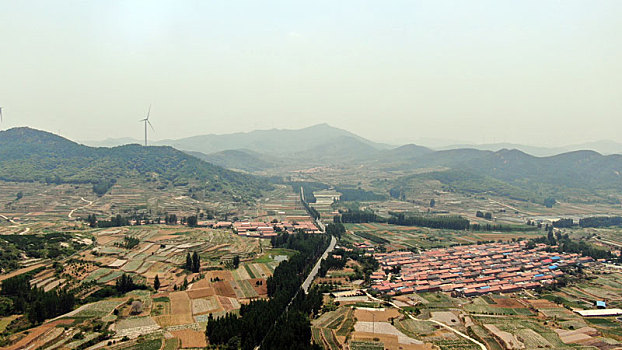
<point x="196" y="262"/>
<point x="432" y="203"/>
<point x="156" y="283"/>
<point x="549" y="202"/>
<point x="188" y="262"/>
<point x="192" y="221"/>
<point x="236" y="261"/>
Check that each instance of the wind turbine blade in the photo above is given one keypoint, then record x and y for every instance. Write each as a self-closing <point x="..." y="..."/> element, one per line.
<point x="1" y="120"/>
<point x="148" y="112"/>
<point x="150" y="125"/>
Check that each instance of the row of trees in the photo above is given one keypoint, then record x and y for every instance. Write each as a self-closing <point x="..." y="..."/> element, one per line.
<point x="487" y="215"/>
<point x="193" y="263"/>
<point x="601" y="221"/>
<point x="357" y="216"/>
<point x="451" y="222"/>
<point x="564" y="244"/>
<point x="335" y="229"/>
<point x="445" y="221"/>
<point x="270" y="323"/>
<point x="115" y="221"/>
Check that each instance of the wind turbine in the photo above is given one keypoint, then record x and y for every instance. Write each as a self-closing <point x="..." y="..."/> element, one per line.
<point x="1" y="115"/>
<point x="146" y="120"/>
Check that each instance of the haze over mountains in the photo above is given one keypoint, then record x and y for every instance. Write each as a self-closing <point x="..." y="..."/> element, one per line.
<point x="322" y="135"/>
<point x="31" y="155"/>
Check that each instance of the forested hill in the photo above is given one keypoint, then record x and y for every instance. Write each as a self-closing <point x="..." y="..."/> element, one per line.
<point x="515" y="174"/>
<point x="32" y="155"/>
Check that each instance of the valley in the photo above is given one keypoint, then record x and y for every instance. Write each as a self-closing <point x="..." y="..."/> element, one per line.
<point x="178" y="253"/>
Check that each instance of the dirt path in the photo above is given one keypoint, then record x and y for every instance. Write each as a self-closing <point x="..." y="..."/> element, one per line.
<point x="82" y="207"/>
<point x="9" y="220"/>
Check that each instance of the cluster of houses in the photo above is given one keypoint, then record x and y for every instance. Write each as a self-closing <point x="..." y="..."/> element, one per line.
<point x="262" y="229"/>
<point x="365" y="245"/>
<point x="471" y="270"/>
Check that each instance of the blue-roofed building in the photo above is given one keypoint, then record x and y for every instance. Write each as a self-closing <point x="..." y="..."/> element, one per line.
<point x="601" y="304"/>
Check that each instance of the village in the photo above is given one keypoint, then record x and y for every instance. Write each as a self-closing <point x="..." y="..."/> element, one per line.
<point x="472" y="270"/>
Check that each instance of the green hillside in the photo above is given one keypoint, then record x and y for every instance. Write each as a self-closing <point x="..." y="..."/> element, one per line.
<point x="28" y="155"/>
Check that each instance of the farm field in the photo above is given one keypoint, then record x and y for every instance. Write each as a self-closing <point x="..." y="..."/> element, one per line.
<point x="404" y="237"/>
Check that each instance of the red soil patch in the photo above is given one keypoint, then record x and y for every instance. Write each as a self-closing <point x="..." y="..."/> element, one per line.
<point x="201" y="293"/>
<point x="225" y="303"/>
<point x="36" y="333"/>
<point x="224" y="288"/>
<point x="542" y="304"/>
<point x="508" y="302"/>
<point x="261" y="289"/>
<point x="222" y="275"/>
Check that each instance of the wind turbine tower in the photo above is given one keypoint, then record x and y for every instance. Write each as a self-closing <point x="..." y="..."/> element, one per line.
<point x="146" y="121"/>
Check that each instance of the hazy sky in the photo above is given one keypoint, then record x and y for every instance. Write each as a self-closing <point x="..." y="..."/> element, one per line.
<point x="534" y="72"/>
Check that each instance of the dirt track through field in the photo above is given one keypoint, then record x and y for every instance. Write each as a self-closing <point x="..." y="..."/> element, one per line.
<point x="82" y="207"/>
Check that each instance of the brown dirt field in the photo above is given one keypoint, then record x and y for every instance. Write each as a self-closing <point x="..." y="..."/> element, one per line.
<point x="262" y="289"/>
<point x="161" y="237"/>
<point x="160" y="295"/>
<point x="180" y="302"/>
<point x="105" y="239"/>
<point x="36" y="333"/>
<point x="542" y="304"/>
<point x="20" y="271"/>
<point x="365" y="315"/>
<point x="153" y="270"/>
<point x="226" y="303"/>
<point x="173" y="320"/>
<point x="152" y="249"/>
<point x="201" y="293"/>
<point x="224" y="288"/>
<point x="508" y="302"/>
<point x="390" y="341"/>
<point x="204" y="283"/>
<point x="191" y="338"/>
<point x="223" y="275"/>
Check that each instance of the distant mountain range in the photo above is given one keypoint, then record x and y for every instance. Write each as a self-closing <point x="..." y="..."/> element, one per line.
<point x="32" y="155"/>
<point x="506" y="169"/>
<point x="605" y="147"/>
<point x="321" y="136"/>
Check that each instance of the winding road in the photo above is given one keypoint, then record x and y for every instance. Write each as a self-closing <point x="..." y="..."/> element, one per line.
<point x="82" y="207"/>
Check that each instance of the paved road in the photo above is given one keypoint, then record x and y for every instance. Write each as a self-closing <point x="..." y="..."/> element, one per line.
<point x="482" y="346"/>
<point x="307" y="283"/>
